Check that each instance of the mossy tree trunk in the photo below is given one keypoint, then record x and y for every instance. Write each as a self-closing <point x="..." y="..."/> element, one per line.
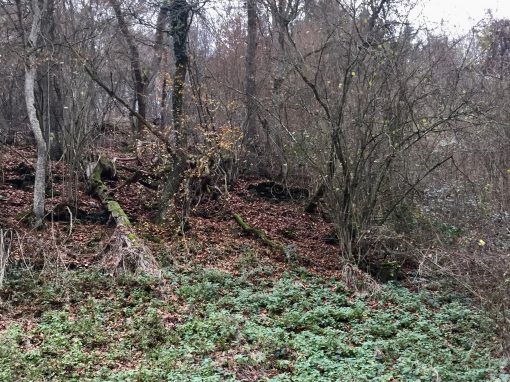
<point x="101" y="167"/>
<point x="251" y="131"/>
<point x="125" y="251"/>
<point x="179" y="11"/>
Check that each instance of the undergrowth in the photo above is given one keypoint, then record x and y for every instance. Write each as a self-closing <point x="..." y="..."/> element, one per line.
<point x="205" y="325"/>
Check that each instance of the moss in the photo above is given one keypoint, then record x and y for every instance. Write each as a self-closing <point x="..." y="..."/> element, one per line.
<point x="133" y="238"/>
<point x="25" y="216"/>
<point x="104" y="166"/>
<point x="259" y="234"/>
<point x="118" y="213"/>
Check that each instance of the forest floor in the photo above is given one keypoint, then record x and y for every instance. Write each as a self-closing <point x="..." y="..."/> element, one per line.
<point x="227" y="307"/>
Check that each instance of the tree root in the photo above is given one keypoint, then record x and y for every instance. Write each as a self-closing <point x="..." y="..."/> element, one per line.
<point x="126" y="252"/>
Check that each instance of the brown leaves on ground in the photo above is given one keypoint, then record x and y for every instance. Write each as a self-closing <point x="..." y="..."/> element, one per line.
<point x="213" y="239"/>
<point x="223" y="243"/>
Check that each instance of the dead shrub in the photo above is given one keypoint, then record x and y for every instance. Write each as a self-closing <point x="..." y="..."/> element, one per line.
<point x="483" y="274"/>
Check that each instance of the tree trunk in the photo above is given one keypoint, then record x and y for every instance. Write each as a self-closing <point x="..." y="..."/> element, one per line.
<point x="101" y="167"/>
<point x="281" y="12"/>
<point x="50" y="84"/>
<point x="251" y="133"/>
<point x="30" y="71"/>
<point x="260" y="234"/>
<point x="179" y="12"/>
<point x="140" y="78"/>
<point x="158" y="57"/>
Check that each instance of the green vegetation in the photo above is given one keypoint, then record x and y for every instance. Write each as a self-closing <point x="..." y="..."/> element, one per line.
<point x="205" y="325"/>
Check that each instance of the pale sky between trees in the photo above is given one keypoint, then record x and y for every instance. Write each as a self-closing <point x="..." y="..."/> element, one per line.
<point x="458" y="16"/>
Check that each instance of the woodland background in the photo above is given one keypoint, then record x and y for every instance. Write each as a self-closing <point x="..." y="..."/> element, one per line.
<point x="339" y="136"/>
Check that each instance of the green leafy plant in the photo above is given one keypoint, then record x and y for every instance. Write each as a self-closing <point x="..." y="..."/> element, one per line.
<point x="206" y="325"/>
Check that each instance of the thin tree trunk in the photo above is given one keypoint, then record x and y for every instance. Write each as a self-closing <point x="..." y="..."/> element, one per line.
<point x="280" y="26"/>
<point x="251" y="133"/>
<point x="162" y="105"/>
<point x="30" y="71"/>
<point x="51" y="85"/>
<point x="159" y="44"/>
<point x="282" y="13"/>
<point x="140" y="78"/>
<point x="159" y="39"/>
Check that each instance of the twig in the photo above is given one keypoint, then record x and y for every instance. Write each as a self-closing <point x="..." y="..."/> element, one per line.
<point x="70" y="221"/>
<point x="413" y="187"/>
<point x="5" y="251"/>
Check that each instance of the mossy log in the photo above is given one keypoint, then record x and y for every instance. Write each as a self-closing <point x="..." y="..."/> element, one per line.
<point x="101" y="168"/>
<point x="260" y="234"/>
<point x="125" y="251"/>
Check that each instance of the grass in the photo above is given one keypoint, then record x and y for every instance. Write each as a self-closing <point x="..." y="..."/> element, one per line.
<point x="205" y="325"/>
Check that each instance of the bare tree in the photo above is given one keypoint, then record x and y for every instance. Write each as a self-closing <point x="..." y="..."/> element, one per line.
<point x="251" y="131"/>
<point x="369" y="99"/>
<point x="139" y="75"/>
<point x="179" y="11"/>
<point x="30" y="43"/>
<point x="50" y="88"/>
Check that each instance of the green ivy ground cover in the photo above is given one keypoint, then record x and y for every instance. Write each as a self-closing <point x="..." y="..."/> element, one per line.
<point x="211" y="326"/>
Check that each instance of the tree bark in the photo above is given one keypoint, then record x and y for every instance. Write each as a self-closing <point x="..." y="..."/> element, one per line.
<point x="30" y="72"/>
<point x="282" y="13"/>
<point x="251" y="133"/>
<point x="179" y="14"/>
<point x="100" y="189"/>
<point x="140" y="78"/>
<point x="159" y="43"/>
<point x="50" y="85"/>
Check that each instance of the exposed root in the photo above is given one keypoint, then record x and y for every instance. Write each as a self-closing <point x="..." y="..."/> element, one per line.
<point x="125" y="252"/>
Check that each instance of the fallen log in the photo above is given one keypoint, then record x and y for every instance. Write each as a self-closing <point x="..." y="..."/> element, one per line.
<point x="125" y="251"/>
<point x="260" y="234"/>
